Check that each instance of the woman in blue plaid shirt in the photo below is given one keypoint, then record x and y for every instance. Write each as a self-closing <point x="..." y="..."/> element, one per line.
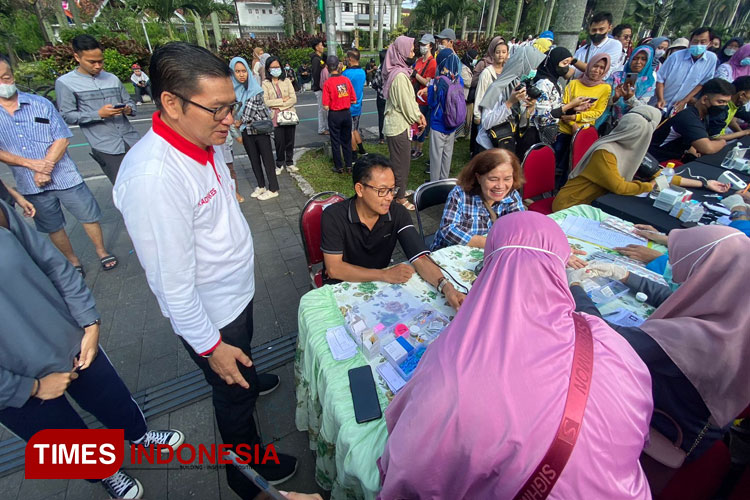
<point x="487" y="189"/>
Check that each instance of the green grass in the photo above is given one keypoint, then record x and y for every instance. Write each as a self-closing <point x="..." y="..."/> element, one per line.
<point x="315" y="167"/>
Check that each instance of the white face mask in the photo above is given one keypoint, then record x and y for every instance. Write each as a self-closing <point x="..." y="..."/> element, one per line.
<point x="729" y="52"/>
<point x="423" y="49"/>
<point x="276" y="72"/>
<point x="7" y="90"/>
<point x="659" y="53"/>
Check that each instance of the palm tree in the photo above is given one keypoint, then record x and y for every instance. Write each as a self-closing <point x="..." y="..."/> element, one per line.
<point x="202" y="9"/>
<point x="164" y="10"/>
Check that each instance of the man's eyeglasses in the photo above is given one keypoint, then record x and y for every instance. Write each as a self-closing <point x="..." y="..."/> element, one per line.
<point x="219" y="113"/>
<point x="383" y="192"/>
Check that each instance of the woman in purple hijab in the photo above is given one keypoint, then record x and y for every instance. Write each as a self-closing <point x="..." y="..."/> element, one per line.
<point x="487" y="398"/>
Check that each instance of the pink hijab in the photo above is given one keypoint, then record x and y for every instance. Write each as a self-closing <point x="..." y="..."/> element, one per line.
<point x="487" y="398"/>
<point x="586" y="77"/>
<point x="704" y="327"/>
<point x="395" y="61"/>
<point x="739" y="70"/>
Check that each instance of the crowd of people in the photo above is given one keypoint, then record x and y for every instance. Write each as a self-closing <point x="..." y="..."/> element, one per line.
<point x="177" y="192"/>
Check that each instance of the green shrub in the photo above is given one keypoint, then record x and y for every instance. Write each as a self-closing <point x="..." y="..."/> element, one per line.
<point x="117" y="53"/>
<point x="118" y="64"/>
<point x="296" y="56"/>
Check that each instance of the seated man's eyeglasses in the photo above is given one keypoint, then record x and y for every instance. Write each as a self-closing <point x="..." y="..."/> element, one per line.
<point x="383" y="192"/>
<point x="219" y="113"/>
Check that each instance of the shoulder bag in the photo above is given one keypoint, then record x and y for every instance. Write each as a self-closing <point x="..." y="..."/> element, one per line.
<point x="546" y="474"/>
<point x="286" y="117"/>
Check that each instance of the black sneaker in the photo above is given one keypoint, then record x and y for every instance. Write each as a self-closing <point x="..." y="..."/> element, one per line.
<point x="277" y="474"/>
<point x="267" y="383"/>
<point x="337" y="170"/>
<point x="172" y="438"/>
<point x="122" y="485"/>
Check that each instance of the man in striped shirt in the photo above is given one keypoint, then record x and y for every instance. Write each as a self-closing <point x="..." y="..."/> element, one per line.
<point x="33" y="143"/>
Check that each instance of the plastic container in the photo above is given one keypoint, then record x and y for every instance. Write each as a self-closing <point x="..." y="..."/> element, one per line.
<point x="604" y="290"/>
<point x="397" y="351"/>
<point x="407" y="366"/>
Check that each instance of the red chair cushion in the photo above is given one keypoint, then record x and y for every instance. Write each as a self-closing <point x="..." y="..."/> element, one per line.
<point x="539" y="171"/>
<point x="543" y="206"/>
<point x="582" y="141"/>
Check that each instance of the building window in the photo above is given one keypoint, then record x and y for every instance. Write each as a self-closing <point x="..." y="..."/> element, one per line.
<point x="363" y="8"/>
<point x="257" y="11"/>
<point x="270" y="11"/>
<point x="348" y="24"/>
<point x="347" y="7"/>
<point x="263" y="11"/>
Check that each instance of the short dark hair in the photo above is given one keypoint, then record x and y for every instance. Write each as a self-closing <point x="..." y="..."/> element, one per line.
<point x="169" y="71"/>
<point x="315" y="42"/>
<point x="362" y="171"/>
<point x="485" y="162"/>
<point x="717" y="86"/>
<point x="620" y="28"/>
<point x="4" y="59"/>
<point x="268" y="68"/>
<point x="741" y="83"/>
<point x="353" y="54"/>
<point x="601" y="16"/>
<point x="700" y="31"/>
<point x="84" y="42"/>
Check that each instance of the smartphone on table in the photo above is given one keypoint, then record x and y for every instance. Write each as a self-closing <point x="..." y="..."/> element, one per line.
<point x="364" y="394"/>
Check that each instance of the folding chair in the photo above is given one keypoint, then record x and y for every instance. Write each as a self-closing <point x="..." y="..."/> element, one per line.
<point x="582" y="141"/>
<point x="428" y="195"/>
<point x="539" y="171"/>
<point x="309" y="228"/>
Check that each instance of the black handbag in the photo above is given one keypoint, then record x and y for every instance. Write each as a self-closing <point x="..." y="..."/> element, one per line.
<point x="259" y="127"/>
<point x="648" y="169"/>
<point x="503" y="136"/>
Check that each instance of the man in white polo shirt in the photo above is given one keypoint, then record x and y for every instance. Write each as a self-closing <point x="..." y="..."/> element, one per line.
<point x="177" y="198"/>
<point x="599" y="43"/>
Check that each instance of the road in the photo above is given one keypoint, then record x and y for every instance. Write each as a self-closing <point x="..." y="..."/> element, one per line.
<point x="307" y="130"/>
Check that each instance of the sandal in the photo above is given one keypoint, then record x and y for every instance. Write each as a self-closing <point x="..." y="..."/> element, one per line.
<point x="106" y="260"/>
<point x="79" y="268"/>
<point x="240" y="198"/>
<point x="407" y="205"/>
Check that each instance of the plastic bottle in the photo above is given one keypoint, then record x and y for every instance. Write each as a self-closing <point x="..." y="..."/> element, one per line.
<point x="668" y="172"/>
<point x="735" y="152"/>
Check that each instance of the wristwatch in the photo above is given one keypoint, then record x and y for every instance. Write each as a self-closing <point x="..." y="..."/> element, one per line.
<point x="97" y="322"/>
<point x="441" y="284"/>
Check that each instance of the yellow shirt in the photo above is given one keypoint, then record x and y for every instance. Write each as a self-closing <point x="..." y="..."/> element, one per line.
<point x="401" y="109"/>
<point x="598" y="178"/>
<point x="576" y="89"/>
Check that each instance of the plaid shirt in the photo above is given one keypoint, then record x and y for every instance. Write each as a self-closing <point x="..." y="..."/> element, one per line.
<point x="255" y="110"/>
<point x="465" y="216"/>
<point x="377" y="82"/>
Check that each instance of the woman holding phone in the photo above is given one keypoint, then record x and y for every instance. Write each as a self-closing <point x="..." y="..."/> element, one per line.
<point x="634" y="85"/>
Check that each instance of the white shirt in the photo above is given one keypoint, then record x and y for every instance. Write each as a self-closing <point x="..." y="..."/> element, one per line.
<point x="136" y="79"/>
<point x="189" y="233"/>
<point x="608" y="46"/>
<point x="486" y="77"/>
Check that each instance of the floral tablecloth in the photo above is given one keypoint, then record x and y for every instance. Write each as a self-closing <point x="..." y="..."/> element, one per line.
<point x="346" y="452"/>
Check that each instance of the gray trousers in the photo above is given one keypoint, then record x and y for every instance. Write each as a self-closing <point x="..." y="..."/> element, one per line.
<point x="441" y="152"/>
<point x="399" y="148"/>
<point x="322" y="113"/>
<point x="109" y="163"/>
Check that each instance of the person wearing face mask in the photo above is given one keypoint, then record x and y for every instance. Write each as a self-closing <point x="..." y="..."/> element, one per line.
<point x="549" y="105"/>
<point x="738" y="65"/>
<point x="424" y="71"/>
<point x="684" y="73"/>
<point x="280" y="98"/>
<point x="729" y="49"/>
<point x="689" y="128"/>
<point x="699" y="321"/>
<point x="660" y="45"/>
<point x="599" y="43"/>
<point x="737" y="106"/>
<point x="292" y="77"/>
<point x="446" y="38"/>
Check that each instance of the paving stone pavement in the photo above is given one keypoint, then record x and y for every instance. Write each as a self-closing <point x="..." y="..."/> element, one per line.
<point x="143" y="348"/>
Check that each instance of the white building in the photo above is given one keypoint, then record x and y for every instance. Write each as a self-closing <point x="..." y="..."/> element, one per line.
<point x="263" y="19"/>
<point x="260" y="17"/>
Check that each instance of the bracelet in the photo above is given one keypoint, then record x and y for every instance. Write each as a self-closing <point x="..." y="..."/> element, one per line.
<point x="441" y="284"/>
<point x="38" y="385"/>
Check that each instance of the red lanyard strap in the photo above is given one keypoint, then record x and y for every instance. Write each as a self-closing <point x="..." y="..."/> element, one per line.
<point x="541" y="482"/>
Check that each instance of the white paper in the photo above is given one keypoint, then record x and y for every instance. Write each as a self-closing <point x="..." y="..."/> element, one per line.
<point x="340" y="342"/>
<point x="591" y="231"/>
<point x="391" y="377"/>
<point x="624" y="317"/>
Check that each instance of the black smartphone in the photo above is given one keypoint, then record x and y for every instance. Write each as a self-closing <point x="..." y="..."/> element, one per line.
<point x="631" y="78"/>
<point x="364" y="394"/>
<point x="593" y="99"/>
<point x="119" y="106"/>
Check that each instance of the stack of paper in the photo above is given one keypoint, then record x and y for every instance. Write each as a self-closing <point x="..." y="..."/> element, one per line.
<point x="341" y="344"/>
<point x="391" y="377"/>
<point x="591" y="231"/>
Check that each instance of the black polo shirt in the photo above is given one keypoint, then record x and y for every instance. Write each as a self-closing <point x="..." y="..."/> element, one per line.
<point x="344" y="234"/>
<point x="677" y="134"/>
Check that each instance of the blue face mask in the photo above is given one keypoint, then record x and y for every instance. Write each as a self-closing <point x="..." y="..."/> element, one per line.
<point x="668" y="277"/>
<point x="698" y="50"/>
<point x="745" y="62"/>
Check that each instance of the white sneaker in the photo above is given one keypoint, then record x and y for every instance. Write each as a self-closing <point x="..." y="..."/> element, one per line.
<point x="138" y="103"/>
<point x="122" y="485"/>
<point x="268" y="195"/>
<point x="258" y="191"/>
<point x="279" y="170"/>
<point x="292" y="168"/>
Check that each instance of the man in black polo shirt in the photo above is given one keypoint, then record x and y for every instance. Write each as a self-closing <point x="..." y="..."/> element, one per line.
<point x="690" y="127"/>
<point x="359" y="234"/>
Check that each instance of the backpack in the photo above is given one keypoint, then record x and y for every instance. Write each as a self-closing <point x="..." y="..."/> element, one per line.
<point x="454" y="108"/>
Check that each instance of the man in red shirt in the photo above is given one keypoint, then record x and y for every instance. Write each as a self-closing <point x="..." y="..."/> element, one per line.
<point x="424" y="71"/>
<point x="338" y="96"/>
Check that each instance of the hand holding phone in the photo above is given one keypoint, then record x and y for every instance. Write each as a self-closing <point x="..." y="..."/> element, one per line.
<point x="119" y="106"/>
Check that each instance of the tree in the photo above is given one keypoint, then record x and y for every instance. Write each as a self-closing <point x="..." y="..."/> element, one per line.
<point x="569" y="23"/>
<point x="380" y="25"/>
<point x="372" y="17"/>
<point x="164" y="10"/>
<point x="615" y="7"/>
<point x="203" y="9"/>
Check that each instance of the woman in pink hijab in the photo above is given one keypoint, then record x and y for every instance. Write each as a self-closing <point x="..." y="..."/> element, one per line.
<point x="737" y="66"/>
<point x="697" y="342"/>
<point x="488" y="396"/>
